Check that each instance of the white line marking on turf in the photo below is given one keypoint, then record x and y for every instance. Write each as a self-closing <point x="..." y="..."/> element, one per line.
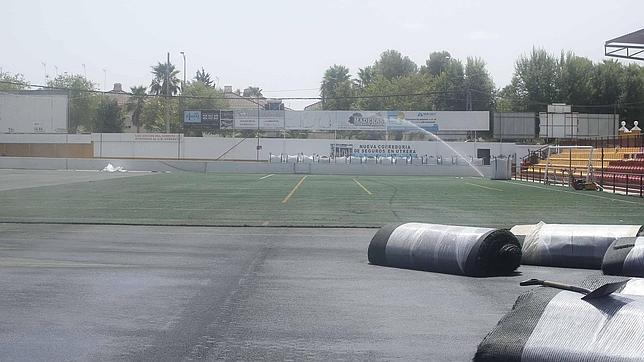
<point x="267" y="176"/>
<point x="485" y="187"/>
<point x="574" y="193"/>
<point x="294" y="189"/>
<point x="364" y="188"/>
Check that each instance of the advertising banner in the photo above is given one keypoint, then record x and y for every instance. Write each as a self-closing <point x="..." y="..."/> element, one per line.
<point x="193" y="117"/>
<point x="226" y="120"/>
<point x="432" y="121"/>
<point x="366" y="149"/>
<point x="252" y="119"/>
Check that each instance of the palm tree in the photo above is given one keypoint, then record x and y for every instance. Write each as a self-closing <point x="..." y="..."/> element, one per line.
<point x="366" y="75"/>
<point x="135" y="105"/>
<point x="203" y="77"/>
<point x="253" y="92"/>
<point x="336" y="88"/>
<point x="158" y="86"/>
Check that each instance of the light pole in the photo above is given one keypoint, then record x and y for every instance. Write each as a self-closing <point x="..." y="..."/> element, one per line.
<point x="184" y="70"/>
<point x="45" y="66"/>
<point x="105" y="79"/>
<point x="84" y="71"/>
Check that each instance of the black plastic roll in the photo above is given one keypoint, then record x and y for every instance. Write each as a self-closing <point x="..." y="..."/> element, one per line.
<point x="625" y="256"/>
<point x="547" y="324"/>
<point x="572" y="245"/>
<point x="448" y="249"/>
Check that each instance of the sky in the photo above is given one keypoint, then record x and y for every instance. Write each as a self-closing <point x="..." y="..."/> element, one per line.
<point x="284" y="46"/>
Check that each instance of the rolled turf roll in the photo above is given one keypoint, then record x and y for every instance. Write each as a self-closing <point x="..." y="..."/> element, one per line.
<point x="447" y="249"/>
<point x="571" y="245"/>
<point x="625" y="256"/>
<point x="548" y="324"/>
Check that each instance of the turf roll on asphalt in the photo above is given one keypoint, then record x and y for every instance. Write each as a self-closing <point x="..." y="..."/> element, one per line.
<point x="448" y="249"/>
<point x="570" y="245"/>
<point x="548" y="324"/>
<point x="625" y="256"/>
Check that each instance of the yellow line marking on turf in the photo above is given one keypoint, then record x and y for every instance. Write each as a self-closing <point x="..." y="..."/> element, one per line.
<point x="364" y="188"/>
<point x="574" y="193"/>
<point x="294" y="189"/>
<point x="485" y="187"/>
<point x="267" y="176"/>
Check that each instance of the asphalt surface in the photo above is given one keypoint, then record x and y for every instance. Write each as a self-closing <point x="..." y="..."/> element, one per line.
<point x="83" y="292"/>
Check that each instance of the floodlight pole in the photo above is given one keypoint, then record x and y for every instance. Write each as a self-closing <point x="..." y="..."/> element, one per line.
<point x="257" y="134"/>
<point x="167" y="94"/>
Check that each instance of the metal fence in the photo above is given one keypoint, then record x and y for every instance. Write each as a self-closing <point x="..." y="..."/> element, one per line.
<point x="615" y="182"/>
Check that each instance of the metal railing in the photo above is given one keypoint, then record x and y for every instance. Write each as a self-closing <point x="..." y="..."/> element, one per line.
<point x="617" y="182"/>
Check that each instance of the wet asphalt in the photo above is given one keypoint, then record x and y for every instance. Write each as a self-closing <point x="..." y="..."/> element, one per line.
<point x="84" y="292"/>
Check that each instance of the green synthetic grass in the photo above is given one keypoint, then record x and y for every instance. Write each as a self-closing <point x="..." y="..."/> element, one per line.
<point x="236" y="199"/>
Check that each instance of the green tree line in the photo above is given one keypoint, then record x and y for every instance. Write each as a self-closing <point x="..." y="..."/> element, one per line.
<point x="395" y="82"/>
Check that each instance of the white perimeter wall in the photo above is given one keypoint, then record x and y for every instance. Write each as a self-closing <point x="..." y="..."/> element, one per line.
<point x="127" y="145"/>
<point x="179" y="147"/>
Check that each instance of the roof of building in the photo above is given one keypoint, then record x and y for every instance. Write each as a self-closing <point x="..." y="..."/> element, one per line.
<point x="629" y="46"/>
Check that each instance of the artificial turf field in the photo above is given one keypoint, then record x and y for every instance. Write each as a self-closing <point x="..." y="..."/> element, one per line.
<point x="185" y="198"/>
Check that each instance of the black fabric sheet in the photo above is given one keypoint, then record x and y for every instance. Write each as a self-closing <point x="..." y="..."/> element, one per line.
<point x="507" y="340"/>
<point x="618" y="255"/>
<point x="446" y="249"/>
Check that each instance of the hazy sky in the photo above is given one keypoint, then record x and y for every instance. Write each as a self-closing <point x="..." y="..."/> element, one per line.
<point x="285" y="46"/>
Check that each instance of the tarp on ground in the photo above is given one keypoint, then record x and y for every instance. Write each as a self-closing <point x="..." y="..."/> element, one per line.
<point x="549" y="324"/>
<point x="572" y="245"/>
<point x="448" y="249"/>
<point x="625" y="256"/>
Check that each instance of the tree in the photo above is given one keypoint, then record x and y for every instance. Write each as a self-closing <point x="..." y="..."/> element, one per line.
<point x="450" y="88"/>
<point x="574" y="83"/>
<point x="135" y="105"/>
<point x="607" y="85"/>
<point x="479" y="86"/>
<point x="154" y="115"/>
<point x="336" y="88"/>
<point x="203" y="77"/>
<point x="535" y="80"/>
<point x="393" y="65"/>
<point x="83" y="102"/>
<point x="159" y="85"/>
<point x="632" y="94"/>
<point x="201" y="96"/>
<point x="374" y="99"/>
<point x="108" y="116"/>
<point x="252" y="92"/>
<point x="366" y="76"/>
<point x="12" y="82"/>
<point x="436" y="63"/>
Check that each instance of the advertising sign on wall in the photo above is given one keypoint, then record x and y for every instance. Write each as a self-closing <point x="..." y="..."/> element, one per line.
<point x="366" y="149"/>
<point x="432" y="121"/>
<point x="252" y="119"/>
<point x="193" y="117"/>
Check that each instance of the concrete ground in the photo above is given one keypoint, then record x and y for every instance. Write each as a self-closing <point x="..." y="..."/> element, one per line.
<point x="88" y="292"/>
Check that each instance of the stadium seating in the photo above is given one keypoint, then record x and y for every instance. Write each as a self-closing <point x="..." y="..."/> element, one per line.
<point x="622" y="167"/>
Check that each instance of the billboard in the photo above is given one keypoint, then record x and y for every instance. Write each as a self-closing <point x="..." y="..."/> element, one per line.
<point x="262" y="119"/>
<point x="275" y="120"/>
<point x="33" y="112"/>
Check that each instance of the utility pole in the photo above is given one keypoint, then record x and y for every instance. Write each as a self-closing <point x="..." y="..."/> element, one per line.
<point x="183" y="86"/>
<point x="258" y="146"/>
<point x="167" y="95"/>
<point x="184" y="70"/>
